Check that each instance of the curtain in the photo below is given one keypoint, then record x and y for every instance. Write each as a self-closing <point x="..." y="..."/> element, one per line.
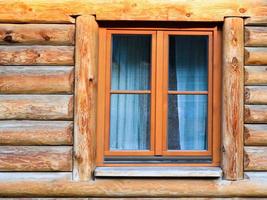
<point x="187" y="114"/>
<point x="130" y="113"/>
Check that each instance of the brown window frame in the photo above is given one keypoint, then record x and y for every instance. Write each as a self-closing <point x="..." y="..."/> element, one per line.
<point x="159" y="99"/>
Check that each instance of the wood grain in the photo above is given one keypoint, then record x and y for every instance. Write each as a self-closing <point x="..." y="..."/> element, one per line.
<point x="256" y="94"/>
<point x="85" y="97"/>
<point x="255" y="158"/>
<point x="60" y="11"/>
<point x="256" y="20"/>
<point x="36" y="107"/>
<point x="38" y="80"/>
<point x="36" y="132"/>
<point x="45" y="34"/>
<point x="255" y="134"/>
<point x="255" y="75"/>
<point x="255" y="114"/>
<point x="255" y="185"/>
<point x="256" y="36"/>
<point x="35" y="176"/>
<point x="36" y="55"/>
<point x="35" y="158"/>
<point x="256" y="56"/>
<point x="232" y="125"/>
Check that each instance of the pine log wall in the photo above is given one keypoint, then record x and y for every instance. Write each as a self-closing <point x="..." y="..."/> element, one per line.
<point x="255" y="128"/>
<point x="36" y="101"/>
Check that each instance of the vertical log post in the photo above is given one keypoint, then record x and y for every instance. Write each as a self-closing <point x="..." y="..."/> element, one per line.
<point x="233" y="79"/>
<point x="85" y="97"/>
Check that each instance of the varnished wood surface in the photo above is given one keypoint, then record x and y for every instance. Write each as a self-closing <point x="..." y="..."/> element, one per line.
<point x="255" y="134"/>
<point x="255" y="158"/>
<point x="36" y="132"/>
<point x="256" y="94"/>
<point x="256" y="36"/>
<point x="256" y="55"/>
<point x="30" y="34"/>
<point x="255" y="75"/>
<point x="35" y="176"/>
<point x="36" y="107"/>
<point x="35" y="158"/>
<point x="255" y="114"/>
<point x="36" y="79"/>
<point x="36" y="55"/>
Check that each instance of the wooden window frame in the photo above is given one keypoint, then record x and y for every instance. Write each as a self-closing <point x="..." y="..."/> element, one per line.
<point x="159" y="106"/>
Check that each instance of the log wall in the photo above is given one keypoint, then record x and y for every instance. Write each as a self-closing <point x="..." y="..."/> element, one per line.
<point x="36" y="101"/>
<point x="255" y="127"/>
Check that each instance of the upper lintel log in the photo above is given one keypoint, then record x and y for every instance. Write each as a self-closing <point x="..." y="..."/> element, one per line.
<point x="232" y="128"/>
<point x="85" y="97"/>
<point x="41" y="34"/>
<point x="36" y="55"/>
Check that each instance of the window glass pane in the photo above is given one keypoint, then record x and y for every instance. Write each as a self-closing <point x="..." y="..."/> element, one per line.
<point x="131" y="62"/>
<point x="130" y="122"/>
<point x="187" y="122"/>
<point x="188" y="63"/>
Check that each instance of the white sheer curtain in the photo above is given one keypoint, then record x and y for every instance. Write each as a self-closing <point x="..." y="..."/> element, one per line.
<point x="130" y="113"/>
<point x="187" y="116"/>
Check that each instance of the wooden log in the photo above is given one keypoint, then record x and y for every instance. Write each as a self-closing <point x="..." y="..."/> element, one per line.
<point x="255" y="36"/>
<point x="60" y="11"/>
<point x="85" y="97"/>
<point x="38" y="80"/>
<point x="255" y="114"/>
<point x="232" y="128"/>
<point x="255" y="75"/>
<point x="256" y="20"/>
<point x="36" y="55"/>
<point x="255" y="158"/>
<point x="256" y="94"/>
<point x="45" y="34"/>
<point x="256" y="56"/>
<point x="36" y="133"/>
<point x="255" y="134"/>
<point x="35" y="158"/>
<point x="253" y="186"/>
<point x="36" y="107"/>
<point x="35" y="176"/>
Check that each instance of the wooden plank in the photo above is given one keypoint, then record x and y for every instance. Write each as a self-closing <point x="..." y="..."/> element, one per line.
<point x="36" y="107"/>
<point x="233" y="78"/>
<point x="35" y="176"/>
<point x="35" y="158"/>
<point x="255" y="114"/>
<point x="256" y="20"/>
<point x="256" y="56"/>
<point x="255" y="134"/>
<point x="38" y="80"/>
<point x="255" y="158"/>
<point x="36" y="132"/>
<point x="252" y="186"/>
<point x="256" y="36"/>
<point x="256" y="94"/>
<point x="255" y="75"/>
<point x="41" y="11"/>
<point x="85" y="97"/>
<point x="45" y="34"/>
<point x="158" y="172"/>
<point x="36" y="55"/>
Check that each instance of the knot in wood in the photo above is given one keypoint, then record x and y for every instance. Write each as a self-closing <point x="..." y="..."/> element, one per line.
<point x="242" y="10"/>
<point x="8" y="38"/>
<point x="234" y="64"/>
<point x="188" y="14"/>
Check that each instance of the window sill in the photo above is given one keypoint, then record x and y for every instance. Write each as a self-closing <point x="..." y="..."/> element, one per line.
<point x="205" y="172"/>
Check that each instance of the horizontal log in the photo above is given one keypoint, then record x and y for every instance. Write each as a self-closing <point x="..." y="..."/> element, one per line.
<point x="35" y="158"/>
<point x="38" y="80"/>
<point x="256" y="20"/>
<point x="255" y="158"/>
<point x="255" y="75"/>
<point x="36" y="107"/>
<point x="252" y="186"/>
<point x="255" y="114"/>
<point x="255" y="36"/>
<point x="255" y="134"/>
<point x="45" y="34"/>
<point x="35" y="176"/>
<point x="256" y="94"/>
<point x="255" y="56"/>
<point x="36" y="55"/>
<point x="36" y="133"/>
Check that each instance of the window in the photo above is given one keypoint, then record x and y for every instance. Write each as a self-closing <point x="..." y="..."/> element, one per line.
<point x="158" y="97"/>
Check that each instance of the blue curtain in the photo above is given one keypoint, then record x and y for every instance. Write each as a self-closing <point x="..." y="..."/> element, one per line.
<point x="130" y="113"/>
<point x="187" y="115"/>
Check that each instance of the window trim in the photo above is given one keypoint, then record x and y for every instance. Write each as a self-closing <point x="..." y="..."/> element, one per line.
<point x="103" y="113"/>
